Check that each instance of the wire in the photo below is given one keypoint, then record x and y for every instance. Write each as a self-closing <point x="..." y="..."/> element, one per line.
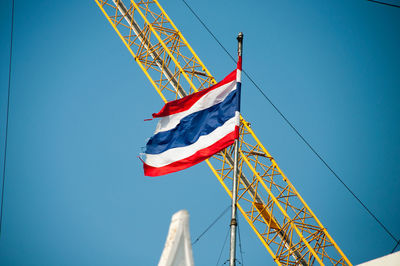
<point x="222" y="249"/>
<point x="294" y="128"/>
<point x="209" y="31"/>
<point x="398" y="242"/>
<point x="382" y="3"/>
<point x="209" y="227"/>
<point x="8" y="111"/>
<point x="240" y="242"/>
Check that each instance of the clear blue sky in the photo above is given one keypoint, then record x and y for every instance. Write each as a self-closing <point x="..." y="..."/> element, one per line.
<point x="75" y="192"/>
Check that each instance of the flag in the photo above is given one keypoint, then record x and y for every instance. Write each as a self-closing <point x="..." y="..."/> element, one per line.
<point x="195" y="127"/>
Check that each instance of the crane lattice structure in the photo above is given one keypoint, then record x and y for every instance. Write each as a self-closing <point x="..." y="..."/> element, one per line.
<point x="279" y="216"/>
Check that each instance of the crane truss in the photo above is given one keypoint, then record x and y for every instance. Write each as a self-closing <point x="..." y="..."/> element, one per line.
<point x="281" y="219"/>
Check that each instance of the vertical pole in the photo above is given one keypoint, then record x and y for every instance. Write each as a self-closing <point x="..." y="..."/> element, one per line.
<point x="233" y="225"/>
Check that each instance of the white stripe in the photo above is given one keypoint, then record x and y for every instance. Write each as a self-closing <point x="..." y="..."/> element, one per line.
<point x="176" y="154"/>
<point x="238" y="75"/>
<point x="212" y="98"/>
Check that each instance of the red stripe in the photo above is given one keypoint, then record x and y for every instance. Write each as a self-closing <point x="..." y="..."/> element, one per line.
<point x="239" y="63"/>
<point x="196" y="158"/>
<point x="185" y="103"/>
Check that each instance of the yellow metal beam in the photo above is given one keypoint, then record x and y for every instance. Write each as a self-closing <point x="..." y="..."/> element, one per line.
<point x="271" y="205"/>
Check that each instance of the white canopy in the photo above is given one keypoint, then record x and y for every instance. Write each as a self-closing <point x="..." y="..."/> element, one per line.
<point x="388" y="260"/>
<point x="178" y="248"/>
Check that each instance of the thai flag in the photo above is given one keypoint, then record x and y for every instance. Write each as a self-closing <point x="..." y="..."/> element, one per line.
<point x="194" y="128"/>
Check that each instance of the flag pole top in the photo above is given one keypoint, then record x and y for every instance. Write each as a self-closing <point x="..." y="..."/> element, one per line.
<point x="240" y="36"/>
<point x="240" y="43"/>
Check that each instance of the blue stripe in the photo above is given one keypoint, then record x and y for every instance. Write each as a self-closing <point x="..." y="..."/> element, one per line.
<point x="239" y="88"/>
<point x="191" y="127"/>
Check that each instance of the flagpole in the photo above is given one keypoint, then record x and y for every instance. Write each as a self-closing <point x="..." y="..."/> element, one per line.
<point x="233" y="225"/>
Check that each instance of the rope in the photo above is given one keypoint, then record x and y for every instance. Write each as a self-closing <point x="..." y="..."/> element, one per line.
<point x="382" y="3"/>
<point x="294" y="128"/>
<point x="393" y="250"/>
<point x="8" y="111"/>
<point x="240" y="242"/>
<point x="222" y="249"/>
<point x="209" y="227"/>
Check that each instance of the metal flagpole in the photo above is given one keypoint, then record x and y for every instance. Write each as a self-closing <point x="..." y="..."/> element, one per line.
<point x="233" y="224"/>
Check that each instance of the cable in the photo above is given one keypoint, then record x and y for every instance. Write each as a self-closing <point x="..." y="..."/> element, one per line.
<point x="398" y="242"/>
<point x="222" y="249"/>
<point x="8" y="111"/>
<point x="382" y="3"/>
<point x="209" y="31"/>
<point x="240" y="242"/>
<point x="208" y="228"/>
<point x="293" y="127"/>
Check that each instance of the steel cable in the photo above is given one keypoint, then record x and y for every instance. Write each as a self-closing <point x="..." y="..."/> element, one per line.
<point x="7" y="115"/>
<point x="383" y="3"/>
<point x="211" y="225"/>
<point x="223" y="246"/>
<point x="294" y="128"/>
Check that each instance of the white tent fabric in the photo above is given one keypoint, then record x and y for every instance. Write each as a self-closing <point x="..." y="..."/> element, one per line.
<point x="178" y="248"/>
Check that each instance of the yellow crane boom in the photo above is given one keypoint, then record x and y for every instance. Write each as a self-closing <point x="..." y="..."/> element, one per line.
<point x="281" y="219"/>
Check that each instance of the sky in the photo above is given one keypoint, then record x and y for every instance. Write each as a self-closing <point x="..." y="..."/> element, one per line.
<point x="75" y="193"/>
